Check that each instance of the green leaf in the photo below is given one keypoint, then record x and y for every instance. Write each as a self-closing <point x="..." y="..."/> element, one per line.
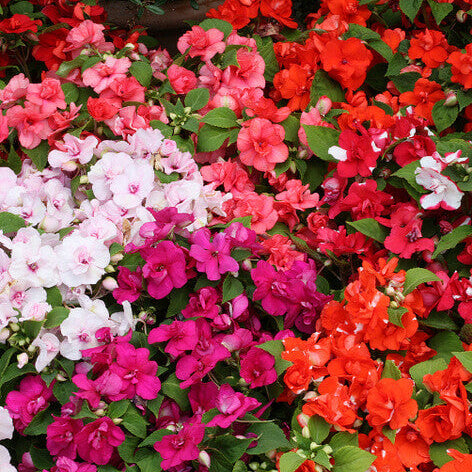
<point x="291" y="126"/>
<point x="41" y="458"/>
<point x="290" y="461"/>
<point x="340" y="440"/>
<point x="232" y="287"/>
<point x="265" y="47"/>
<point x="276" y="347"/>
<point x="324" y="85"/>
<point x="142" y="71"/>
<point x="320" y="139"/>
<point x="54" y="296"/>
<point x="439" y="321"/>
<point x="443" y="116"/>
<point x="372" y="38"/>
<point x="22" y="8"/>
<point x="66" y="67"/>
<point x="134" y="422"/>
<point x="370" y="228"/>
<point x="232" y="446"/>
<point x="39" y="424"/>
<point x="438" y="451"/>
<point x="465" y="358"/>
<point x="222" y="25"/>
<point x="229" y="58"/>
<point x="63" y="391"/>
<point x="39" y="155"/>
<point x="71" y="92"/>
<point x="389" y="433"/>
<point x="127" y="448"/>
<point x="211" y="138"/>
<point x="10" y="223"/>
<point x="221" y="117"/>
<point x="197" y="98"/>
<point x="395" y="315"/>
<point x="171" y="388"/>
<point x="352" y="459"/>
<point x="118" y="409"/>
<point x="430" y="366"/>
<point x="445" y="343"/>
<point x="179" y="298"/>
<point x="440" y="10"/>
<point x="150" y="463"/>
<point x="408" y="173"/>
<point x="396" y="64"/>
<point x="418" y="276"/>
<point x="406" y="82"/>
<point x="89" y="62"/>
<point x="464" y="98"/>
<point x="270" y="437"/>
<point x="154" y="437"/>
<point x="410" y="8"/>
<point x="14" y="161"/>
<point x="56" y="316"/>
<point x="450" y="240"/>
<point x="319" y="428"/>
<point x="314" y="172"/>
<point x="391" y="371"/>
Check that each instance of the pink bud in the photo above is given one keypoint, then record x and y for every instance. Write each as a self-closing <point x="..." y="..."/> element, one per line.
<point x="450" y="100"/>
<point x="323" y="105"/>
<point x="109" y="283"/>
<point x="22" y="360"/>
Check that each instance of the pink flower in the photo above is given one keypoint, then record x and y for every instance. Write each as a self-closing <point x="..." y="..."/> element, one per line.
<point x="47" y="95"/>
<point x="108" y="385"/>
<point x="124" y="89"/>
<point x="164" y="269"/>
<point x="64" y="464"/>
<point x="85" y="34"/>
<point x="4" y="130"/>
<point x="250" y="72"/>
<point x="257" y="368"/>
<point x="261" y="145"/>
<point x="137" y="373"/>
<point x="203" y="304"/>
<point x="202" y="43"/>
<point x="14" y="90"/>
<point x="97" y="440"/>
<point x="73" y="149"/>
<point x="180" y="336"/>
<point x="24" y="404"/>
<point x="181" y="447"/>
<point x="213" y="257"/>
<point x="298" y="195"/>
<point x="60" y="436"/>
<point x="130" y="285"/>
<point x="102" y="75"/>
<point x="181" y="79"/>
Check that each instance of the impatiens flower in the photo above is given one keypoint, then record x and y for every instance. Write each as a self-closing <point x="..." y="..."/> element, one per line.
<point x="176" y="449"/>
<point x="108" y="386"/>
<point x="390" y="403"/>
<point x="61" y="436"/>
<point x="130" y="285"/>
<point x="102" y="75"/>
<point x="202" y="43"/>
<point x="73" y="149"/>
<point x="213" y="257"/>
<point x="164" y="268"/>
<point x="181" y="79"/>
<point x="181" y="336"/>
<point x="5" y="465"/>
<point x="445" y="194"/>
<point x="257" y="368"/>
<point x="6" y="424"/>
<point x="19" y="23"/>
<point x="97" y="440"/>
<point x="261" y="145"/>
<point x="462" y="66"/>
<point x="48" y="95"/>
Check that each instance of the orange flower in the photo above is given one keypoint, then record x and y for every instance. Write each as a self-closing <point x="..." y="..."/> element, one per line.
<point x="280" y="10"/>
<point x="349" y="11"/>
<point x="462" y="67"/>
<point x="347" y="61"/>
<point x="412" y="449"/>
<point x="461" y="463"/>
<point x="430" y="46"/>
<point x="390" y="403"/>
<point x="440" y="423"/>
<point x="425" y="94"/>
<point x="393" y="37"/>
<point x="294" y="84"/>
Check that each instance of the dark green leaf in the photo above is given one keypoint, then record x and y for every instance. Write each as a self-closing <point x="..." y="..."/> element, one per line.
<point x="63" y="390"/>
<point x="197" y="98"/>
<point x="270" y="437"/>
<point x="223" y="26"/>
<point x="171" y="388"/>
<point x="232" y="287"/>
<point x="265" y="47"/>
<point x="418" y="276"/>
<point x="291" y="126"/>
<point x="211" y="138"/>
<point x="320" y="139"/>
<point x="370" y="228"/>
<point x="154" y="437"/>
<point x="443" y="116"/>
<point x="142" y="71"/>
<point x="134" y="422"/>
<point x="71" y="92"/>
<point x="290" y="461"/>
<point x="352" y="459"/>
<point x="118" y="409"/>
<point x="39" y="155"/>
<point x="391" y="371"/>
<point x="324" y="85"/>
<point x="395" y="315"/>
<point x="406" y="82"/>
<point x="431" y="366"/>
<point x="452" y="239"/>
<point x="438" y="451"/>
<point x="56" y="316"/>
<point x="39" y="423"/>
<point x="410" y="8"/>
<point x="440" y="10"/>
<point x="10" y="223"/>
<point x="319" y="429"/>
<point x="221" y="117"/>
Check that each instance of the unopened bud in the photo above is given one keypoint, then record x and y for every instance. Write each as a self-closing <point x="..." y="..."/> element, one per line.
<point x="394" y="304"/>
<point x="305" y="432"/>
<point x="302" y="152"/>
<point x="22" y="360"/>
<point x="461" y="16"/>
<point x="301" y="453"/>
<point x="313" y="446"/>
<point x="172" y="116"/>
<point x="15" y="327"/>
<point x="69" y="166"/>
<point x="323" y="105"/>
<point x="109" y="269"/>
<point x="327" y="449"/>
<point x="293" y="167"/>
<point x="100" y="412"/>
<point x="246" y="265"/>
<point x="117" y="420"/>
<point x="109" y="283"/>
<point x="450" y="100"/>
<point x="116" y="258"/>
<point x="60" y="378"/>
<point x="253" y="465"/>
<point x="390" y="291"/>
<point x="177" y="129"/>
<point x="4" y="335"/>
<point x="84" y="180"/>
<point x="303" y="419"/>
<point x="188" y="110"/>
<point x="204" y="459"/>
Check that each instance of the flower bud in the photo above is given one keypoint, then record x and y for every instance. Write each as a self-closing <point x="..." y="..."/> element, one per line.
<point x="15" y="327"/>
<point x="188" y="110"/>
<point x="450" y="100"/>
<point x="84" y="180"/>
<point x="109" y="269"/>
<point x="109" y="283"/>
<point x="22" y="360"/>
<point x="100" y="412"/>
<point x="246" y="264"/>
<point x="303" y="419"/>
<point x="323" y="105"/>
<point x="4" y="335"/>
<point x="305" y="432"/>
<point x="117" y="421"/>
<point x="116" y="258"/>
<point x="204" y="459"/>
<point x="461" y="16"/>
<point x="69" y="166"/>
<point x="253" y="465"/>
<point x="327" y="449"/>
<point x="60" y="378"/>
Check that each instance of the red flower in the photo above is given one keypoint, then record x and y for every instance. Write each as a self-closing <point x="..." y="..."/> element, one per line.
<point x="430" y="46"/>
<point x="19" y="24"/>
<point x="462" y="67"/>
<point x="425" y="94"/>
<point x="294" y="84"/>
<point x="280" y="10"/>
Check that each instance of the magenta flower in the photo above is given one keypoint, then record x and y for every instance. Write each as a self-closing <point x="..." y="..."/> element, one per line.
<point x="203" y="304"/>
<point x="164" y="268"/>
<point x="60" y="436"/>
<point x="64" y="464"/>
<point x="98" y="439"/>
<point x="213" y="257"/>
<point x="107" y="385"/>
<point x="231" y="405"/>
<point x="181" y="447"/>
<point x="181" y="336"/>
<point x="130" y="285"/>
<point x="24" y="404"/>
<point x="137" y="373"/>
<point x="202" y="397"/>
<point x="257" y="368"/>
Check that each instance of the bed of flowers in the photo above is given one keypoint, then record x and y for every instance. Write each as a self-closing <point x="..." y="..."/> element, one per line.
<point x="254" y="256"/>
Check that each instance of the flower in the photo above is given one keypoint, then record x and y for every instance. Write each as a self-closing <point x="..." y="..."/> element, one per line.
<point x="202" y="43"/>
<point x="257" y="368"/>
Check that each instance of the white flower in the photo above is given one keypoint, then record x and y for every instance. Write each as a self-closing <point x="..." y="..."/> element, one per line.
<point x="49" y="347"/>
<point x="6" y="424"/>
<point x="73" y="149"/>
<point x="82" y="259"/>
<point x="5" y="458"/>
<point x="123" y="320"/>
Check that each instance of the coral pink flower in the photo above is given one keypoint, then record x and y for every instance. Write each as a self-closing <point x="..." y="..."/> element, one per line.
<point x="250" y="72"/>
<point x="97" y="440"/>
<point x="4" y="130"/>
<point x="102" y="75"/>
<point x="298" y="195"/>
<point x="261" y="145"/>
<point x="124" y="89"/>
<point x="85" y="34"/>
<point x="181" y="79"/>
<point x="202" y="43"/>
<point x="48" y="95"/>
<point x="14" y="90"/>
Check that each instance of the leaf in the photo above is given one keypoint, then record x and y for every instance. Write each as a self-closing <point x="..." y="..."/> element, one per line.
<point x="232" y="446"/>
<point x="319" y="428"/>
<point x="71" y="92"/>
<point x="39" y="423"/>
<point x="221" y="25"/>
<point x="410" y="8"/>
<point x="221" y="117"/>
<point x="418" y="276"/>
<point x="39" y="155"/>
<point x="443" y="116"/>
<point x="179" y="298"/>
<point x="320" y="139"/>
<point x="439" y="321"/>
<point x="352" y="459"/>
<point x="395" y="315"/>
<point x="465" y="358"/>
<point x="128" y="447"/>
<point x="63" y="391"/>
<point x="391" y="371"/>
<point x="270" y="437"/>
<point x="370" y="228"/>
<point x="211" y="138"/>
<point x="14" y="161"/>
<point x="118" y="409"/>
<point x="134" y="422"/>
<point x="56" y="316"/>
<point x="171" y="388"/>
<point x="406" y="82"/>
<point x="232" y="287"/>
<point x="445" y="343"/>
<point x="372" y="38"/>
<point x="430" y="366"/>
<point x="450" y="240"/>
<point x="275" y="347"/>
<point x="440" y="10"/>
<point x="10" y="223"/>
<point x="197" y="98"/>
<point x="396" y="64"/>
<point x="389" y="433"/>
<point x="41" y="458"/>
<point x="150" y="463"/>
<point x="154" y="437"/>
<point x="290" y="461"/>
<point x="324" y="85"/>
<point x="291" y="126"/>
<point x="315" y="171"/>
<point x="54" y="296"/>
<point x="265" y="47"/>
<point x="438" y="451"/>
<point x="22" y="8"/>
<point x="340" y="440"/>
<point x="89" y="62"/>
<point x="142" y="71"/>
